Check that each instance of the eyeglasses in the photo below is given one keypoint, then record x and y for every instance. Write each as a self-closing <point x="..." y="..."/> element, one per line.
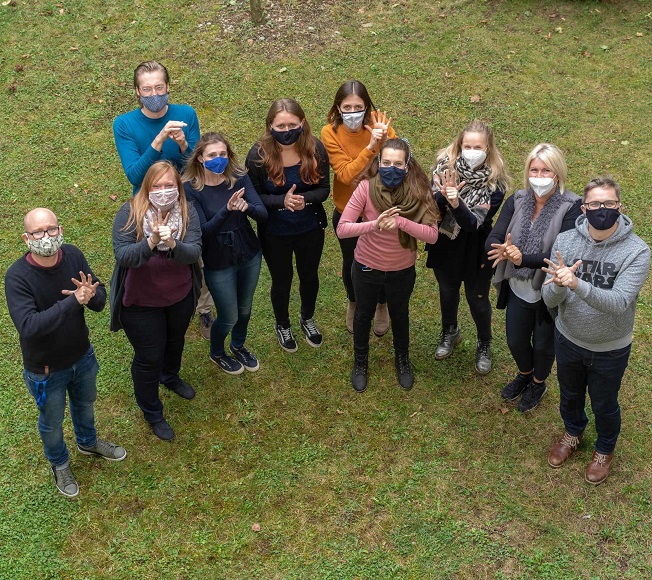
<point x="609" y="204"/>
<point x="38" y="234"/>
<point x="149" y="91"/>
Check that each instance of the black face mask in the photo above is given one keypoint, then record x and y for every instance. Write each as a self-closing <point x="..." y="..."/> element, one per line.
<point x="287" y="137"/>
<point x="603" y="218"/>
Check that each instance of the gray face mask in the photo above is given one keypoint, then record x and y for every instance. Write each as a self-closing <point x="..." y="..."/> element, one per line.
<point x="353" y="121"/>
<point x="46" y="246"/>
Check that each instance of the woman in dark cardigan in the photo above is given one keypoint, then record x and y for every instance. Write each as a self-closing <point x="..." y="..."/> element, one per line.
<point x="155" y="286"/>
<point x="518" y="245"/>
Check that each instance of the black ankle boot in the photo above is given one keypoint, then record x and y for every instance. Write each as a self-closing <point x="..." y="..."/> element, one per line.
<point x="404" y="371"/>
<point x="359" y="372"/>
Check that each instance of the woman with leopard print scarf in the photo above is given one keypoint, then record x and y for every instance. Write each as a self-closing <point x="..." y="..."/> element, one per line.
<point x="469" y="184"/>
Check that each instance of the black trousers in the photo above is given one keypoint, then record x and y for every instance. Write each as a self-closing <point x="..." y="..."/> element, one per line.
<point x="157" y="336"/>
<point x="307" y="250"/>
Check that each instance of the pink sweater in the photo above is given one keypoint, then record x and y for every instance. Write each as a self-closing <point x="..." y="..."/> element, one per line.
<point x="380" y="249"/>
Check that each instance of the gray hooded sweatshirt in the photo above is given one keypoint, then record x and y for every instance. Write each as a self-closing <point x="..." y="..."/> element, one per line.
<point x="599" y="314"/>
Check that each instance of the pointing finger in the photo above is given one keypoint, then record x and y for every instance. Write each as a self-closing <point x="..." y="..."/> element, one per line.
<point x="575" y="266"/>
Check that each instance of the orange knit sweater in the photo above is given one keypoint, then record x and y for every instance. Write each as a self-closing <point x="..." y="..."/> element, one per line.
<point x="348" y="156"/>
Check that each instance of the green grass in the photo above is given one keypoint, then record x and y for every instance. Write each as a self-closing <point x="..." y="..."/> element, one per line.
<point x="434" y="483"/>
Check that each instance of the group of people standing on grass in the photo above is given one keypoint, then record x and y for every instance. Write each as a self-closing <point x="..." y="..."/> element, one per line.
<point x="566" y="269"/>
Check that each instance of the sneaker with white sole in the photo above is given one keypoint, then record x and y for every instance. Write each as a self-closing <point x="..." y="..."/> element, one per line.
<point x="65" y="481"/>
<point x="313" y="336"/>
<point x="228" y="364"/>
<point x="285" y="338"/>
<point x="246" y="358"/>
<point x="105" y="449"/>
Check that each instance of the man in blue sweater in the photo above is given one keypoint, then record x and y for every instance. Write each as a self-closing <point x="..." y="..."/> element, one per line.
<point x="47" y="290"/>
<point x="601" y="267"/>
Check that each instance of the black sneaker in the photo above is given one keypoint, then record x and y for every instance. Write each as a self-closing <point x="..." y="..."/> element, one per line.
<point x="163" y="430"/>
<point x="359" y="373"/>
<point x="285" y="338"/>
<point x="531" y="396"/>
<point x="227" y="363"/>
<point x="483" y="357"/>
<point x="313" y="336"/>
<point x="248" y="360"/>
<point x="450" y="337"/>
<point x="404" y="371"/>
<point x="65" y="481"/>
<point x="514" y="388"/>
<point x="184" y="390"/>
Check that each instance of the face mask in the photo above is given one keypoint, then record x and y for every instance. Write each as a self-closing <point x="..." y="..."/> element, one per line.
<point x="217" y="164"/>
<point x="164" y="199"/>
<point x="603" y="218"/>
<point x="287" y="137"/>
<point x="391" y="177"/>
<point x="46" y="246"/>
<point x="541" y="185"/>
<point x="474" y="157"/>
<point x="155" y="103"/>
<point x="353" y="121"/>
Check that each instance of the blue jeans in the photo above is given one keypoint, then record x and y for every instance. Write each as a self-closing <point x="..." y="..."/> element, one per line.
<point x="79" y="381"/>
<point x="602" y="372"/>
<point x="398" y="287"/>
<point x="233" y="290"/>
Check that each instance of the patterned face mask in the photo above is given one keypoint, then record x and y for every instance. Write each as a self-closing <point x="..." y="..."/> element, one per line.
<point x="155" y="103"/>
<point x="46" y="246"/>
<point x="164" y="199"/>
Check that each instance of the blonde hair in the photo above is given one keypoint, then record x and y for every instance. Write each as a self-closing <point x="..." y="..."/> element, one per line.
<point x="552" y="156"/>
<point x="139" y="203"/>
<point x="497" y="171"/>
<point x="194" y="171"/>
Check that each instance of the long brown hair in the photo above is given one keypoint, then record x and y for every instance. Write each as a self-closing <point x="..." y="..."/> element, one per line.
<point x="416" y="182"/>
<point x="270" y="151"/>
<point x="194" y="170"/>
<point x="139" y="203"/>
<point x="498" y="172"/>
<point x="349" y="88"/>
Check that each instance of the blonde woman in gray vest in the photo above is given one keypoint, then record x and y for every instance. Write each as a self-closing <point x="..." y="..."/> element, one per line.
<point x="519" y="244"/>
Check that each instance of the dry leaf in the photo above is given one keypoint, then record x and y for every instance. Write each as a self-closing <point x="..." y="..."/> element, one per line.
<point x="114" y="197"/>
<point x="74" y="48"/>
<point x="475" y="99"/>
<point x="504" y="410"/>
<point x="9" y="3"/>
<point x="339" y="412"/>
<point x="639" y="34"/>
<point x="250" y="41"/>
<point x="414" y="414"/>
<point x="228" y="416"/>
<point x="367" y="24"/>
<point x="255" y="527"/>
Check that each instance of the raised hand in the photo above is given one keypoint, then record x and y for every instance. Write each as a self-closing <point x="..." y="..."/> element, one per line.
<point x="155" y="224"/>
<point x="561" y="274"/>
<point x="85" y="288"/>
<point x="237" y="202"/>
<point x="379" y="128"/>
<point x="292" y="201"/>
<point x="499" y="252"/>
<point x="172" y="130"/>
<point x="448" y="186"/>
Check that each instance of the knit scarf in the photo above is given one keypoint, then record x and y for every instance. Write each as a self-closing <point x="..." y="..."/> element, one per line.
<point x="410" y="207"/>
<point x="174" y="221"/>
<point x="528" y="236"/>
<point x="474" y="193"/>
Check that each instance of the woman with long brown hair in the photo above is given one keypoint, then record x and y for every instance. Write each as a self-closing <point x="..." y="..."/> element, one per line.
<point x="288" y="167"/>
<point x="397" y="209"/>
<point x="155" y="286"/>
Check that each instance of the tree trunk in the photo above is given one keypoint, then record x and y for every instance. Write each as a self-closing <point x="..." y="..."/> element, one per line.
<point x="257" y="15"/>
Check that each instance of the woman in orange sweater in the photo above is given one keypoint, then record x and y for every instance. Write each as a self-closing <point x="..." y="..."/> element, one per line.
<point x="352" y="139"/>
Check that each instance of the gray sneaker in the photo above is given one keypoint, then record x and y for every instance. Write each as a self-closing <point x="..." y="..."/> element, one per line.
<point x="105" y="449"/>
<point x="65" y="481"/>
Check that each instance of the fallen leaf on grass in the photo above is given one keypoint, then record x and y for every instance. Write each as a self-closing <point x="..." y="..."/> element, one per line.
<point x="414" y="414"/>
<point x="624" y="142"/>
<point x="339" y="412"/>
<point x="9" y="3"/>
<point x="367" y="24"/>
<point x="475" y="99"/>
<point x="504" y="410"/>
<point x="74" y="48"/>
<point x="255" y="527"/>
<point x="228" y="416"/>
<point x="114" y="197"/>
<point x="639" y="34"/>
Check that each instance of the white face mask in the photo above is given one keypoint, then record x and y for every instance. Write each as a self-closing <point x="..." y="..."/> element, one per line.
<point x="164" y="199"/>
<point x="474" y="157"/>
<point x="541" y="185"/>
<point x="353" y="121"/>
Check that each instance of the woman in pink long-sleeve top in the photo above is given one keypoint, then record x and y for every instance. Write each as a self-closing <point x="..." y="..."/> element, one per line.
<point x="397" y="209"/>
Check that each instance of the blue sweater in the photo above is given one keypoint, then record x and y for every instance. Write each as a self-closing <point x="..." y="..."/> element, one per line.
<point x="134" y="132"/>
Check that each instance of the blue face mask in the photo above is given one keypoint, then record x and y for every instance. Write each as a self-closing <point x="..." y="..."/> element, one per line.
<point x="217" y="164"/>
<point x="391" y="177"/>
<point x="287" y="137"/>
<point x="155" y="103"/>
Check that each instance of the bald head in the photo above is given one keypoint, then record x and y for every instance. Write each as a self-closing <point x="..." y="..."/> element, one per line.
<point x="40" y="218"/>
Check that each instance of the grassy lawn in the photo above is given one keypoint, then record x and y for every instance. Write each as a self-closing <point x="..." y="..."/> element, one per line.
<point x="440" y="482"/>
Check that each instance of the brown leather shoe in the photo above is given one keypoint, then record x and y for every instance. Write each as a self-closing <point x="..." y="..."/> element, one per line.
<point x="598" y="470"/>
<point x="563" y="449"/>
<point x="381" y="320"/>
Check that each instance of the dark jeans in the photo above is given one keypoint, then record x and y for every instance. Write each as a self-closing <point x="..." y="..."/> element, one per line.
<point x="398" y="287"/>
<point x="233" y="290"/>
<point x="79" y="381"/>
<point x="157" y="336"/>
<point x="347" y="246"/>
<point x="477" y="295"/>
<point x="602" y="372"/>
<point x="278" y="250"/>
<point x="530" y="336"/>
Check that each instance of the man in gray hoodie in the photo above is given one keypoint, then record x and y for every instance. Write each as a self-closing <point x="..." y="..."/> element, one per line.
<point x="601" y="267"/>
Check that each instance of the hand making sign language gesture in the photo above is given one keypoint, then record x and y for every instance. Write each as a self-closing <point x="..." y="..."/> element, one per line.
<point x="237" y="202"/>
<point x="378" y="128"/>
<point x="172" y="130"/>
<point x="85" y="288"/>
<point x="562" y="275"/>
<point x="161" y="232"/>
<point x="446" y="182"/>
<point x="292" y="201"/>
<point x="505" y="251"/>
<point x="387" y="219"/>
